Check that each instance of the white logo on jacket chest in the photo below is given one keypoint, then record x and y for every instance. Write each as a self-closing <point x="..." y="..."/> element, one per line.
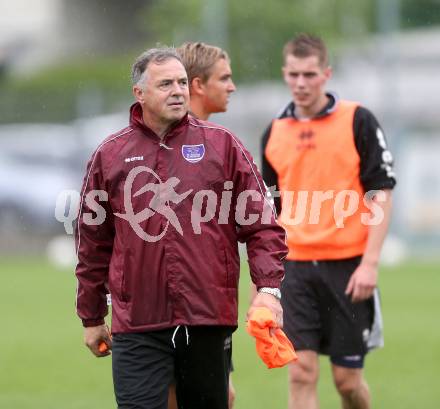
<point x="193" y="153"/>
<point x="133" y="158"/>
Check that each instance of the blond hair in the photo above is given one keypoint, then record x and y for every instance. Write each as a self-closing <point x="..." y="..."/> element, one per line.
<point x="199" y="58"/>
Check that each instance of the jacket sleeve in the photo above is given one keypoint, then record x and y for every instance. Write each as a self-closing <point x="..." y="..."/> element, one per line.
<point x="256" y="220"/>
<point x="94" y="235"/>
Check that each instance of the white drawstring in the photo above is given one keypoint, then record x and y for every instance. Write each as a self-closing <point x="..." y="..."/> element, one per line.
<point x="187" y="335"/>
<point x="174" y="335"/>
<point x="165" y="146"/>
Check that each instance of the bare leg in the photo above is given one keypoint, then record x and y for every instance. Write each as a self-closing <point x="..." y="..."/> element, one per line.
<point x="231" y="397"/>
<point x="352" y="387"/>
<point x="303" y="379"/>
<point x="172" y="402"/>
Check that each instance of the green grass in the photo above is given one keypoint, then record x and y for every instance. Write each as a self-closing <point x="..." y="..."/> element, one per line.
<point x="43" y="363"/>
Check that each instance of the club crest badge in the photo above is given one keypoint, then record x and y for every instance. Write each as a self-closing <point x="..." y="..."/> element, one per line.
<point x="193" y="153"/>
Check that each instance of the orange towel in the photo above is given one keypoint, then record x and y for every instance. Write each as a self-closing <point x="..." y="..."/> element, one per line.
<point x="274" y="349"/>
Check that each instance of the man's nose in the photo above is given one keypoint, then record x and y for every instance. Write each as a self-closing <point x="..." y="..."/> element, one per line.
<point x="301" y="81"/>
<point x="231" y="86"/>
<point x="177" y="89"/>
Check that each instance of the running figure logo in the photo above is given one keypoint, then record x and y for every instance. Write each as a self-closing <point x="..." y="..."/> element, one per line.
<point x="164" y="194"/>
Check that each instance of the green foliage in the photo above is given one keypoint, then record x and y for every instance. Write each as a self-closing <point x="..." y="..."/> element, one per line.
<point x="259" y="35"/>
<point x="255" y="32"/>
<point x="420" y="13"/>
<point x="171" y="22"/>
<point x="54" y="93"/>
<point x="44" y="363"/>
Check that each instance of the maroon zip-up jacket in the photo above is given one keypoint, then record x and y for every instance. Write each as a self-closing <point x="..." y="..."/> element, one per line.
<point x="167" y="250"/>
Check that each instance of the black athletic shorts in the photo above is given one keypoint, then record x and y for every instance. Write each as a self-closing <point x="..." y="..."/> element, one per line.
<point x="196" y="358"/>
<point x="318" y="316"/>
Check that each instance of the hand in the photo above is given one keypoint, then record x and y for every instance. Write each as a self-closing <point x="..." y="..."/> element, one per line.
<point x="362" y="282"/>
<point x="93" y="336"/>
<point x="268" y="301"/>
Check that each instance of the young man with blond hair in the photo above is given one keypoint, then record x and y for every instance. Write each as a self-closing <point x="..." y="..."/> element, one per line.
<point x="210" y="84"/>
<point x="329" y="160"/>
<point x="209" y="76"/>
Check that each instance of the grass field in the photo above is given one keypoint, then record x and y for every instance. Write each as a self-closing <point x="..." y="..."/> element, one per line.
<point x="43" y="363"/>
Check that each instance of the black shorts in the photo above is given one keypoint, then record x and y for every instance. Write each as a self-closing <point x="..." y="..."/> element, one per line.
<point x="318" y="316"/>
<point x="196" y="358"/>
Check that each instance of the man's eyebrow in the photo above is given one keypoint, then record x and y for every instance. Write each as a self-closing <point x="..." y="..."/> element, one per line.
<point x="305" y="72"/>
<point x="169" y="79"/>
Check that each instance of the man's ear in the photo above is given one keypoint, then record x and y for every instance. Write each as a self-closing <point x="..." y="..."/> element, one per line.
<point x="138" y="94"/>
<point x="197" y="86"/>
<point x="328" y="72"/>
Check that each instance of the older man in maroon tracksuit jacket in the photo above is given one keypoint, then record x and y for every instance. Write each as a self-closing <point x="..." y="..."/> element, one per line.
<point x="164" y="204"/>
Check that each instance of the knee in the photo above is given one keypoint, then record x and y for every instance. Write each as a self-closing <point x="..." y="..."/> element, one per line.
<point x="348" y="386"/>
<point x="301" y="375"/>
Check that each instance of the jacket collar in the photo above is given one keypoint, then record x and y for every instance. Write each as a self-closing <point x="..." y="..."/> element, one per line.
<point x="289" y="110"/>
<point x="136" y="121"/>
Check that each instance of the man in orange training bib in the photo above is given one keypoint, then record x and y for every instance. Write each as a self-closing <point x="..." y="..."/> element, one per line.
<point x="330" y="162"/>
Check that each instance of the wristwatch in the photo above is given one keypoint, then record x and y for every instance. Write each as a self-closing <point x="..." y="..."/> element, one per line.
<point x="273" y="291"/>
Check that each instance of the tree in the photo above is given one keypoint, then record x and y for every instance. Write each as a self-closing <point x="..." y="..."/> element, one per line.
<point x="254" y="32"/>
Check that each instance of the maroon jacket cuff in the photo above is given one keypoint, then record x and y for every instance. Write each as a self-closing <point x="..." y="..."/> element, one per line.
<point x="271" y="283"/>
<point x="93" y="323"/>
